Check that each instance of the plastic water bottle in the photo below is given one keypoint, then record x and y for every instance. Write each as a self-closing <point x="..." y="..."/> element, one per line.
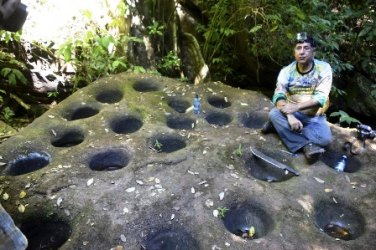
<point x="341" y="164"/>
<point x="196" y="105"/>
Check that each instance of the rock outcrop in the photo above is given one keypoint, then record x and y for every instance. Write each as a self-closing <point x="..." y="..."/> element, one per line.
<point x="125" y="163"/>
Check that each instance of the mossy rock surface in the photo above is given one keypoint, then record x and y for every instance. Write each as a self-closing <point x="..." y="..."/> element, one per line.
<point x="95" y="167"/>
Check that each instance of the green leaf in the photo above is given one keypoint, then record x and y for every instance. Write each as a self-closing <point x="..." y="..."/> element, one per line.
<point x="256" y="28"/>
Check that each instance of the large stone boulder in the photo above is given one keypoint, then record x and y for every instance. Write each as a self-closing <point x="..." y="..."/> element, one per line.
<point x="125" y="163"/>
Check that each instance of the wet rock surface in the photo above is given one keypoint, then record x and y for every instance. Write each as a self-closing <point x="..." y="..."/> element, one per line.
<point x="119" y="163"/>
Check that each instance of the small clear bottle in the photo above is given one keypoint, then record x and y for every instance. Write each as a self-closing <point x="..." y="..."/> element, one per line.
<point x="196" y="105"/>
<point x="341" y="164"/>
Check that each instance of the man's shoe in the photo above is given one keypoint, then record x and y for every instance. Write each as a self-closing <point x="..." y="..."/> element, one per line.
<point x="312" y="152"/>
<point x="268" y="128"/>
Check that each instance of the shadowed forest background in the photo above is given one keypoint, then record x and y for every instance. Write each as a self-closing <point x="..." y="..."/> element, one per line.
<point x="243" y="43"/>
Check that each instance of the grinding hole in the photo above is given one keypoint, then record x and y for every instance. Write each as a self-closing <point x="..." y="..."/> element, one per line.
<point x="45" y="233"/>
<point x="31" y="162"/>
<point x="331" y="157"/>
<point x="265" y="171"/>
<point x="145" y="85"/>
<point x="81" y="113"/>
<point x="177" y="122"/>
<point x="169" y="239"/>
<point x="109" y="96"/>
<point x="219" y="119"/>
<point x="339" y="220"/>
<point x="126" y="124"/>
<point x="109" y="160"/>
<point x="178" y="104"/>
<point x="219" y="101"/>
<point x="254" y="120"/>
<point x="248" y="220"/>
<point x="67" y="137"/>
<point x="167" y="143"/>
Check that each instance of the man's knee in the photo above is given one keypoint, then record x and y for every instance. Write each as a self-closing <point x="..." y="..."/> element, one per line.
<point x="274" y="114"/>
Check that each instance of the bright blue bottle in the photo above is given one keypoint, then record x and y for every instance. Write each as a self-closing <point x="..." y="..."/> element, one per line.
<point x="196" y="105"/>
<point x="341" y="164"/>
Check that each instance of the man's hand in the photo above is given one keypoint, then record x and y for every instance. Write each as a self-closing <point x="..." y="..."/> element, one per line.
<point x="294" y="123"/>
<point x="289" y="108"/>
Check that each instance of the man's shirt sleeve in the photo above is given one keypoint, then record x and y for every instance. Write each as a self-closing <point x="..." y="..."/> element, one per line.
<point x="281" y="87"/>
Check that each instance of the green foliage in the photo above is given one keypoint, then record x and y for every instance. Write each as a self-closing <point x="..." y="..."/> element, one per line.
<point x="239" y="150"/>
<point x="156" y="28"/>
<point x="344" y="117"/>
<point x="13" y="76"/>
<point x="158" y="145"/>
<point x="222" y="212"/>
<point x="7" y="114"/>
<point x="170" y="63"/>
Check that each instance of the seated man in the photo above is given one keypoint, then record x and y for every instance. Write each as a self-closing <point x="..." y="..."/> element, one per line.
<point x="301" y="98"/>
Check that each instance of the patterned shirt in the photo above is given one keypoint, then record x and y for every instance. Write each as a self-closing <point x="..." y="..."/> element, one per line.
<point x="296" y="87"/>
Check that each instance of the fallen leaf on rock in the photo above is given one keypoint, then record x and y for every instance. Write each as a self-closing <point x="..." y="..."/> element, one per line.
<point x="319" y="180"/>
<point x="21" y="208"/>
<point x="51" y="116"/>
<point x="193" y="190"/>
<point x="328" y="190"/>
<point x="335" y="201"/>
<point x="2" y="164"/>
<point x="209" y="203"/>
<point x="123" y="238"/>
<point x="59" y="201"/>
<point x="215" y="213"/>
<point x="130" y="190"/>
<point x="89" y="182"/>
<point x="22" y="194"/>
<point x="5" y="196"/>
<point x="172" y="216"/>
<point x="221" y="195"/>
<point x="139" y="182"/>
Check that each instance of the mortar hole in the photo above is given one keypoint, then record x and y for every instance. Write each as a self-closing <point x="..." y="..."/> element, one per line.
<point x="177" y="122"/>
<point x="339" y="220"/>
<point x="146" y="85"/>
<point x="109" y="160"/>
<point x="44" y="233"/>
<point x="167" y="143"/>
<point x="219" y="101"/>
<point x="81" y="113"/>
<point x="109" y="96"/>
<point x="67" y="137"/>
<point x="168" y="239"/>
<point x="248" y="220"/>
<point x="254" y="120"/>
<point x="219" y="119"/>
<point x="31" y="162"/>
<point x="126" y="124"/>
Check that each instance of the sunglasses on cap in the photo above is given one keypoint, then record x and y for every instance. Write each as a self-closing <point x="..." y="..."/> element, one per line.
<point x="302" y="37"/>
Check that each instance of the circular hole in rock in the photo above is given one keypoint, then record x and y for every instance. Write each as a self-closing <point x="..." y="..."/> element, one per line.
<point x="331" y="157"/>
<point x="254" y="120"/>
<point x="125" y="124"/>
<point x="177" y="122"/>
<point x="167" y="143"/>
<point x="31" y="162"/>
<point x="44" y="233"/>
<point x="81" y="113"/>
<point x="219" y="101"/>
<point x="178" y="104"/>
<point x="146" y="85"/>
<point x="339" y="220"/>
<point x="265" y="171"/>
<point x="109" y="96"/>
<point x="219" y="119"/>
<point x="67" y="137"/>
<point x="109" y="160"/>
<point x="248" y="220"/>
<point x="169" y="239"/>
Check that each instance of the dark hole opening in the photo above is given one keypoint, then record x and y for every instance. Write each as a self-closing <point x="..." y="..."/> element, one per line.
<point x="178" y="104"/>
<point x="219" y="119"/>
<point x="31" y="162"/>
<point x="167" y="143"/>
<point x="109" y="96"/>
<point x="67" y="138"/>
<point x="248" y="220"/>
<point x="254" y="120"/>
<point x="338" y="219"/>
<point x="177" y="122"/>
<point x="109" y="160"/>
<point x="45" y="234"/>
<point x="331" y="157"/>
<point x="125" y="124"/>
<point x="169" y="239"/>
<point x="81" y="113"/>
<point x="219" y="102"/>
<point x="145" y="85"/>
